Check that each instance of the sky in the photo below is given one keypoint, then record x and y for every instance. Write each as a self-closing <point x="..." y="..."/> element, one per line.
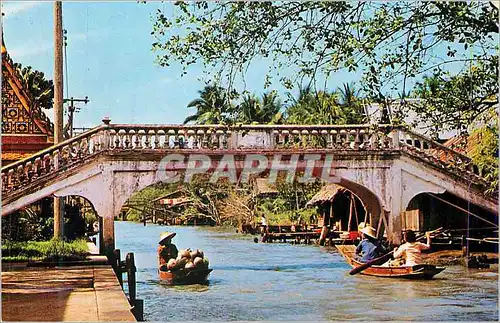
<point x="110" y="60"/>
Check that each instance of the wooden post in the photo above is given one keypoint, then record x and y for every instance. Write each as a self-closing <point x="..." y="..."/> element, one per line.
<point x="350" y="215"/>
<point x="102" y="250"/>
<point x="130" y="264"/>
<point x="138" y="310"/>
<point x="58" y="108"/>
<point x="117" y="266"/>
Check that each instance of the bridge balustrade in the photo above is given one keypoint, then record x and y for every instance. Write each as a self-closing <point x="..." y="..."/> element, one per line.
<point x="116" y="137"/>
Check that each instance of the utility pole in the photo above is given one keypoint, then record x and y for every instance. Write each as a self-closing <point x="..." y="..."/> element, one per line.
<point x="72" y="109"/>
<point x="58" y="108"/>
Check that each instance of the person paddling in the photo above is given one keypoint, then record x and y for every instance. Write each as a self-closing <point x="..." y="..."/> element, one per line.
<point x="166" y="249"/>
<point x="369" y="248"/>
<point x="411" y="250"/>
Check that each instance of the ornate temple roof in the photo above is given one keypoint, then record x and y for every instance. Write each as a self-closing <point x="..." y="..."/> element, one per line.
<point x="20" y="115"/>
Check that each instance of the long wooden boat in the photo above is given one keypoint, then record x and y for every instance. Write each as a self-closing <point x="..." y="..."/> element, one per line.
<point x="410" y="272"/>
<point x="195" y="276"/>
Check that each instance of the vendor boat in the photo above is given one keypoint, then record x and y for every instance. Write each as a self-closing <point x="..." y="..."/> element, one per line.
<point x="410" y="272"/>
<point x="180" y="277"/>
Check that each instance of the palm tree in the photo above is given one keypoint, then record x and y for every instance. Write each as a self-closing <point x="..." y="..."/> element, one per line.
<point x="315" y="108"/>
<point x="40" y="90"/>
<point x="260" y="111"/>
<point x="352" y="107"/>
<point x="213" y="106"/>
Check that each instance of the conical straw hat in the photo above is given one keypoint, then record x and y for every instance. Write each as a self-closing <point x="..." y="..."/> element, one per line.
<point x="165" y="236"/>
<point x="370" y="231"/>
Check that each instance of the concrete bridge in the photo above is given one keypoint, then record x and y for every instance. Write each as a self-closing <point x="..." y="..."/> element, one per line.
<point x="384" y="166"/>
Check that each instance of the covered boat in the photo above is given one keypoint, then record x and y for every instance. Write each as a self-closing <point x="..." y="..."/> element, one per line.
<point x="410" y="272"/>
<point x="179" y="277"/>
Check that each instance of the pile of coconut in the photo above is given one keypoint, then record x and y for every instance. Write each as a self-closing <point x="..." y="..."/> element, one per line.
<point x="188" y="260"/>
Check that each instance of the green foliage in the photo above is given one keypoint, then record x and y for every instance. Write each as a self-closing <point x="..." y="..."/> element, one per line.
<point x="260" y="111"/>
<point x="340" y="107"/>
<point x="484" y="153"/>
<point x="457" y="101"/>
<point x="214" y="106"/>
<point x="44" y="250"/>
<point x="394" y="43"/>
<point x="289" y="205"/>
<point x="40" y="90"/>
<point x="145" y="197"/>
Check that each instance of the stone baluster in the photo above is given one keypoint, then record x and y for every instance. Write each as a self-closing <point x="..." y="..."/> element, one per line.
<point x="147" y="140"/>
<point x="304" y="138"/>
<point x="201" y="139"/>
<point x="11" y="178"/>
<point x="295" y="137"/>
<point x="219" y="133"/>
<point x="137" y="141"/>
<point x="20" y="175"/>
<point x="327" y="138"/>
<point x="190" y="136"/>
<point x="37" y="167"/>
<point x="225" y="141"/>
<point x="170" y="135"/>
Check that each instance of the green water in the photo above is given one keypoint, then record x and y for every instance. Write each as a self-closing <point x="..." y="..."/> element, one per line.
<point x="269" y="282"/>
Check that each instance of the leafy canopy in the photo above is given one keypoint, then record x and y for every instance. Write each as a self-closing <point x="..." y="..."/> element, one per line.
<point x="394" y="44"/>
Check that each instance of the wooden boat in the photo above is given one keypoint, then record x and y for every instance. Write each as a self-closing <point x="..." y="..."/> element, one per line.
<point x="409" y="272"/>
<point x="195" y="276"/>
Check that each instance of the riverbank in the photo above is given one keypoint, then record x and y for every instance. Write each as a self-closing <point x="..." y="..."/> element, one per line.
<point x="85" y="291"/>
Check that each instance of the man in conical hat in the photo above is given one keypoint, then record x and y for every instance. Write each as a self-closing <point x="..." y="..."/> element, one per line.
<point x="166" y="249"/>
<point x="369" y="248"/>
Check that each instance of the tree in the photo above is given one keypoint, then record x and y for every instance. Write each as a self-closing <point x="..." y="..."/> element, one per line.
<point x="351" y="104"/>
<point x="254" y="110"/>
<point x="213" y="106"/>
<point x="393" y="42"/>
<point x="455" y="102"/>
<point x="40" y="90"/>
<point x="324" y="108"/>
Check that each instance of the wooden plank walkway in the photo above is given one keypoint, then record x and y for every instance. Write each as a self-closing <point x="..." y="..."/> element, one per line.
<point x="88" y="293"/>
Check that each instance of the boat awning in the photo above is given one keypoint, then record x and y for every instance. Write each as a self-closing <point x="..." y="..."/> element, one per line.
<point x="326" y="194"/>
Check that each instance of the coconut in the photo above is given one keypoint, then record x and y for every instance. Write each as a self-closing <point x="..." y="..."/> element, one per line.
<point x="171" y="264"/>
<point x="189" y="266"/>
<point x="198" y="261"/>
<point x="194" y="254"/>
<point x="184" y="253"/>
<point x="182" y="262"/>
<point x="200" y="253"/>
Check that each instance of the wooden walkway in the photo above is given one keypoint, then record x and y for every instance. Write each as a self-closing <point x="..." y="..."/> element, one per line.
<point x="87" y="293"/>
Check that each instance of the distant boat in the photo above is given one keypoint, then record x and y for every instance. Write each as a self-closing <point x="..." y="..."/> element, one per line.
<point x="195" y="276"/>
<point x="410" y="272"/>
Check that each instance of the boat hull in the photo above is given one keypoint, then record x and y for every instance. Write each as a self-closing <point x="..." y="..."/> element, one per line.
<point x="408" y="272"/>
<point x="196" y="276"/>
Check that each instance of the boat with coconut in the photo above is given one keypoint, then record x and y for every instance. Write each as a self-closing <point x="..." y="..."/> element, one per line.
<point x="181" y="267"/>
<point x="422" y="271"/>
<point x="181" y="277"/>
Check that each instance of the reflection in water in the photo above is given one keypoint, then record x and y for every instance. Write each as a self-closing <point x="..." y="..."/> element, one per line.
<point x="288" y="282"/>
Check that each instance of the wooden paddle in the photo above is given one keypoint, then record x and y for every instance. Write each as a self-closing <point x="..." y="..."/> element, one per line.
<point x="360" y="268"/>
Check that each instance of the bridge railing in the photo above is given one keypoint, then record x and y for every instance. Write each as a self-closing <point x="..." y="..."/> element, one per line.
<point x="249" y="136"/>
<point x="118" y="137"/>
<point x="53" y="159"/>
<point x="436" y="153"/>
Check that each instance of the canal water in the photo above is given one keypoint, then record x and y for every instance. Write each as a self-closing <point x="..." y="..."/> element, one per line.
<point x="266" y="282"/>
